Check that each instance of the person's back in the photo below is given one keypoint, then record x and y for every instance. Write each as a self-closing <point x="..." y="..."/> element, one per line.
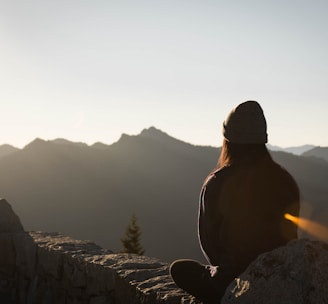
<point x="242" y="211"/>
<point x="242" y="207"/>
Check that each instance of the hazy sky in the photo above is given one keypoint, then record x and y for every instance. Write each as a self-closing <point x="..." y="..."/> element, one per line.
<point x="92" y="70"/>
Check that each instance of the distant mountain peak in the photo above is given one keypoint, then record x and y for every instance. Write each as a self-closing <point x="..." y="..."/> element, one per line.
<point x="320" y="152"/>
<point x="297" y="150"/>
<point x="7" y="150"/>
<point x="100" y="145"/>
<point x="37" y="145"/>
<point x="153" y="132"/>
<point x="36" y="142"/>
<point x="63" y="141"/>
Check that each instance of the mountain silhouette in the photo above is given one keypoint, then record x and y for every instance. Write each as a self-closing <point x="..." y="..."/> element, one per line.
<point x="7" y="150"/>
<point x="90" y="192"/>
<point x="299" y="150"/>
<point x="319" y="152"/>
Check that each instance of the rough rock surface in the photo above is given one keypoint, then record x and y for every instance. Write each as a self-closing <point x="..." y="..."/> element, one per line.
<point x="294" y="274"/>
<point x="39" y="267"/>
<point x="9" y="221"/>
<point x="95" y="275"/>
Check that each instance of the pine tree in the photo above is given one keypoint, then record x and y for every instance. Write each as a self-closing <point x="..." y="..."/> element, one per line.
<point x="131" y="240"/>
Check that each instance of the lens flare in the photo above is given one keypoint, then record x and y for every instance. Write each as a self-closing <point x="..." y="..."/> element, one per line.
<point x="313" y="228"/>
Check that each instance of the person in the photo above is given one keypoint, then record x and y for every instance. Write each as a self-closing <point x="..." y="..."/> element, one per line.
<point x="241" y="210"/>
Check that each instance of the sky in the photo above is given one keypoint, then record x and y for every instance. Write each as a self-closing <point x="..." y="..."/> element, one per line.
<point x="89" y="71"/>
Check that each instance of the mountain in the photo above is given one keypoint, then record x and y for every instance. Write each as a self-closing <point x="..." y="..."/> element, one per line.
<point x="62" y="141"/>
<point x="7" y="150"/>
<point x="320" y="152"/>
<point x="90" y="192"/>
<point x="299" y="150"/>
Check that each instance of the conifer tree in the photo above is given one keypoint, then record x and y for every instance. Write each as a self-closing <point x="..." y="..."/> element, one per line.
<point x="131" y="240"/>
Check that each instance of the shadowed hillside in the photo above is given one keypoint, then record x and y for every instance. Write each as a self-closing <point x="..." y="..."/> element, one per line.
<point x="299" y="150"/>
<point x="320" y="152"/>
<point x="90" y="192"/>
<point x="7" y="150"/>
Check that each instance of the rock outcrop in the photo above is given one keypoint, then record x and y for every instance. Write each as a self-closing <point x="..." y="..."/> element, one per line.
<point x="39" y="267"/>
<point x="294" y="274"/>
<point x="9" y="221"/>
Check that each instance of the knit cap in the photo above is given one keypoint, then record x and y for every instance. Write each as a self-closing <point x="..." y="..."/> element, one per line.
<point x="246" y="124"/>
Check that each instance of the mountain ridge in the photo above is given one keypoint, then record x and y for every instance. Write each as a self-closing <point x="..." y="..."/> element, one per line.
<point x="90" y="192"/>
<point x="6" y="150"/>
<point x="318" y="152"/>
<point x="151" y="133"/>
<point x="297" y="150"/>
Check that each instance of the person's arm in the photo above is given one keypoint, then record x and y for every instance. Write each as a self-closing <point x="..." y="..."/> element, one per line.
<point x="209" y="220"/>
<point x="290" y="200"/>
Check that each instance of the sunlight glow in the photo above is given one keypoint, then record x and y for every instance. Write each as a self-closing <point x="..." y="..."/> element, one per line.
<point x="313" y="228"/>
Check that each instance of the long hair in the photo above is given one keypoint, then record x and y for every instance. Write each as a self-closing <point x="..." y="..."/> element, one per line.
<point x="234" y="153"/>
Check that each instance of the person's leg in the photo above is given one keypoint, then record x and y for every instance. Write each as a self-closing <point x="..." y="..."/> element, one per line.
<point x="202" y="281"/>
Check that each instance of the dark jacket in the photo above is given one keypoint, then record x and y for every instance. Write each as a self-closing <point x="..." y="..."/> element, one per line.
<point x="241" y="213"/>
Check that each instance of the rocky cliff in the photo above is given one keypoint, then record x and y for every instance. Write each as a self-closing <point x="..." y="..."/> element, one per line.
<point x="38" y="267"/>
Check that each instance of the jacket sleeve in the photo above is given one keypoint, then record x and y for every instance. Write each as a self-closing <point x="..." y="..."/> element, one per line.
<point x="209" y="220"/>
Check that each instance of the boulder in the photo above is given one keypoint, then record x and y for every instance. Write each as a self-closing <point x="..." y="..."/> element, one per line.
<point x="295" y="274"/>
<point x="9" y="221"/>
